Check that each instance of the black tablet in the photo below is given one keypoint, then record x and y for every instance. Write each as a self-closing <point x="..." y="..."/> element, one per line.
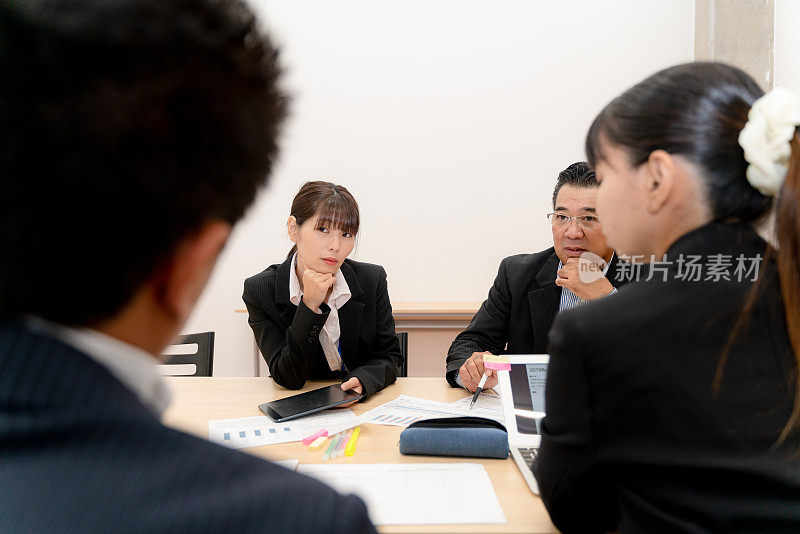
<point x="307" y="403"/>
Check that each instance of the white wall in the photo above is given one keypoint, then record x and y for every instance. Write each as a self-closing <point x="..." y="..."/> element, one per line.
<point x="787" y="44"/>
<point x="448" y="121"/>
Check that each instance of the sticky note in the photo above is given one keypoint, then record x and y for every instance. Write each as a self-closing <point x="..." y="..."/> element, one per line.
<point x="498" y="363"/>
<point x="317" y="443"/>
<point x="314" y="436"/>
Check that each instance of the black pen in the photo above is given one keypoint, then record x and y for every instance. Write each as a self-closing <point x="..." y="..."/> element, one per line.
<point x="480" y="388"/>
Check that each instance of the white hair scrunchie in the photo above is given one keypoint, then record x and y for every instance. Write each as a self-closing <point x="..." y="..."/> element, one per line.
<point x="765" y="139"/>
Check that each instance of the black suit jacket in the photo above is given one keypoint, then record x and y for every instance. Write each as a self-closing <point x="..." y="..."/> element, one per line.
<point x="288" y="335"/>
<point x="635" y="436"/>
<point x="519" y="311"/>
<point x="80" y="453"/>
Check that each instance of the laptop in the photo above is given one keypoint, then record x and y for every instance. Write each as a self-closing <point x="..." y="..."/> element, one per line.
<point x="522" y="391"/>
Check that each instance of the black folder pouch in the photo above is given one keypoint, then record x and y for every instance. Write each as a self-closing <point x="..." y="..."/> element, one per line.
<point x="456" y="436"/>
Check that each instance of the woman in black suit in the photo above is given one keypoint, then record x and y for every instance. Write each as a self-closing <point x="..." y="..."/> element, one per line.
<point x="319" y="315"/>
<point x="673" y="405"/>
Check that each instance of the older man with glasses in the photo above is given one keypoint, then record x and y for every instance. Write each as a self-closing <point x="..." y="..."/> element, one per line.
<point x="530" y="289"/>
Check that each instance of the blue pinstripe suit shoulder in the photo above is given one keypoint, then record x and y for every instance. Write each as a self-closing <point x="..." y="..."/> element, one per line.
<point x="80" y="453"/>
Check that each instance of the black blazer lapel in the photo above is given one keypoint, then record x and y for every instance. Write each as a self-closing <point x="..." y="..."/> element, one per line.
<point x="282" y="302"/>
<point x="613" y="270"/>
<point x="350" y="315"/>
<point x="544" y="303"/>
<point x="352" y="280"/>
<point x="282" y="283"/>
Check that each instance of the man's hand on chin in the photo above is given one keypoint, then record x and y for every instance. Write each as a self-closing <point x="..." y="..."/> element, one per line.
<point x="569" y="276"/>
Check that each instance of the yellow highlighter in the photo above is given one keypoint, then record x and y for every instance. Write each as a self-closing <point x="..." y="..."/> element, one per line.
<point x="351" y="445"/>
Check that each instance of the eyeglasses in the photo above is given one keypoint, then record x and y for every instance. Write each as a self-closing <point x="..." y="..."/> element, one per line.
<point x="584" y="221"/>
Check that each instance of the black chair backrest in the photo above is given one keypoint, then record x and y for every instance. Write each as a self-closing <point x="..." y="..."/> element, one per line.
<point x="203" y="358"/>
<point x="402" y="337"/>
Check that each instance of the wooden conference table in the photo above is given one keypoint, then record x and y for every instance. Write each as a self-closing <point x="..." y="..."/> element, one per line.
<point x="197" y="400"/>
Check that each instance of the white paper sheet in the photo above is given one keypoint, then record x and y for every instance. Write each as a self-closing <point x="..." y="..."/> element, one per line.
<point x="488" y="405"/>
<point x="404" y="410"/>
<point x="291" y="465"/>
<point x="416" y="494"/>
<point x="258" y="430"/>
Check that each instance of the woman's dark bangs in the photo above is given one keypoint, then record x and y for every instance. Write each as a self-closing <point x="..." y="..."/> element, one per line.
<point x="338" y="212"/>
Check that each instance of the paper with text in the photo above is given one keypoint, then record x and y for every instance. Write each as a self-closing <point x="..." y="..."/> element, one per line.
<point x="488" y="405"/>
<point x="259" y="430"/>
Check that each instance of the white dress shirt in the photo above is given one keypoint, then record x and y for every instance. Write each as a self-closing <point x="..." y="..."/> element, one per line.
<point x="132" y="366"/>
<point x="331" y="332"/>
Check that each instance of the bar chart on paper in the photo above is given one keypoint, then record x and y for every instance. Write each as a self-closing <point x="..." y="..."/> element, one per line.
<point x="405" y="410"/>
<point x="391" y="419"/>
<point x="259" y="430"/>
